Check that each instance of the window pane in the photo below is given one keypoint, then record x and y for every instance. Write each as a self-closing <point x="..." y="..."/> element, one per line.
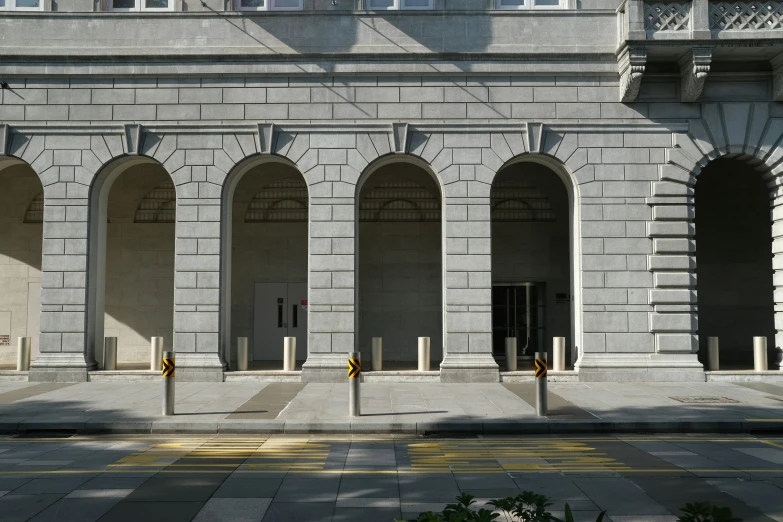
<point x="2" y="3"/>
<point x="287" y="4"/>
<point x="124" y="4"/>
<point x="417" y="3"/>
<point x="380" y="4"/>
<point x="512" y="3"/>
<point x="28" y="3"/>
<point x="547" y="3"/>
<point x="251" y="3"/>
<point x="157" y="4"/>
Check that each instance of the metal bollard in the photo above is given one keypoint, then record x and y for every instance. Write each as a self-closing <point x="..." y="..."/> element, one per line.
<point x="24" y="348"/>
<point x="354" y="378"/>
<point x="110" y="354"/>
<point x="242" y="354"/>
<point x="169" y="364"/>
<point x="511" y="354"/>
<point x="424" y="354"/>
<point x="377" y="354"/>
<point x="760" y="354"/>
<point x="289" y="354"/>
<point x="156" y="353"/>
<point x="558" y="354"/>
<point x="541" y="384"/>
<point x="713" y="354"/>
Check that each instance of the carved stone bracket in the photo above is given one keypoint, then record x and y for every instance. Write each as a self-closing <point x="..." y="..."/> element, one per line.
<point x="777" y="78"/>
<point x="694" y="67"/>
<point x="631" y="63"/>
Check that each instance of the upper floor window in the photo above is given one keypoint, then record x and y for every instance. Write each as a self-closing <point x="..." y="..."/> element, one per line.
<point x="268" y="5"/>
<point x="530" y="4"/>
<point x="140" y="5"/>
<point x="21" y="5"/>
<point x="388" y="5"/>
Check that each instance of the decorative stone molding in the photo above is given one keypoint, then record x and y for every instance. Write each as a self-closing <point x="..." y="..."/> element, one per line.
<point x="694" y="67"/>
<point x="400" y="135"/>
<point x="3" y="140"/>
<point x="266" y="132"/>
<point x="631" y="64"/>
<point x="132" y="137"/>
<point x="667" y="17"/>
<point x="534" y="133"/>
<point x="753" y="136"/>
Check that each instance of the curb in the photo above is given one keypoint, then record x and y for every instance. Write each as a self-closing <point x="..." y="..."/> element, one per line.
<point x="346" y="427"/>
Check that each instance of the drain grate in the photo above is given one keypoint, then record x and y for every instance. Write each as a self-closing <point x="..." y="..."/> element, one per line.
<point x="705" y="400"/>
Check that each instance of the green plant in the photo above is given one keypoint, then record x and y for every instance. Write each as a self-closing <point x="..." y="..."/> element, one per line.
<point x="526" y="507"/>
<point x="706" y="512"/>
<point x="569" y="517"/>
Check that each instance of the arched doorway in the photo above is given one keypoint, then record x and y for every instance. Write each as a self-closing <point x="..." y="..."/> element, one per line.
<point x="400" y="264"/>
<point x="21" y="237"/>
<point x="266" y="222"/>
<point x="531" y="261"/>
<point x="734" y="284"/>
<point x="132" y="248"/>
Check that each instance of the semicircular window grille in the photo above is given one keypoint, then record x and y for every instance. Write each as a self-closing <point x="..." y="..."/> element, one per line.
<point x="284" y="201"/>
<point x="520" y="201"/>
<point x="400" y="201"/>
<point x="159" y="205"/>
<point x="35" y="210"/>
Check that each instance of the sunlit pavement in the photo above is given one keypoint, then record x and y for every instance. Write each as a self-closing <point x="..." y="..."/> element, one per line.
<point x="644" y="478"/>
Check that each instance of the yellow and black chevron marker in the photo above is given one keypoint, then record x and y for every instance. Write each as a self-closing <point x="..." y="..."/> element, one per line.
<point x="168" y="367"/>
<point x="354" y="368"/>
<point x="540" y="368"/>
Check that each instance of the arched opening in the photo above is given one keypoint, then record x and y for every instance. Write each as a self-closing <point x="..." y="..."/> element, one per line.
<point x="21" y="238"/>
<point x="532" y="277"/>
<point x="734" y="285"/>
<point x="400" y="264"/>
<point x="265" y="269"/>
<point x="132" y="248"/>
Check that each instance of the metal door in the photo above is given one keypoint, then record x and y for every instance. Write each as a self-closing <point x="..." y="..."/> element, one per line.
<point x="280" y="311"/>
<point x="297" y="317"/>
<point x="270" y="321"/>
<point x="518" y="310"/>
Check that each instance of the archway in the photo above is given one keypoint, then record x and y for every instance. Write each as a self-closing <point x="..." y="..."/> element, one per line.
<point x="21" y="238"/>
<point x="532" y="278"/>
<point x="400" y="290"/>
<point x="132" y="248"/>
<point x="265" y="272"/>
<point x="734" y="284"/>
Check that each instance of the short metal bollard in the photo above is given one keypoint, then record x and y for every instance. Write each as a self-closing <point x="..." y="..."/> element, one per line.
<point x="156" y="353"/>
<point x="110" y="354"/>
<point x="242" y="354"/>
<point x="541" y="370"/>
<point x="169" y="364"/>
<point x="24" y="347"/>
<point x="511" y="354"/>
<point x="354" y="378"/>
<point x="558" y="354"/>
<point x="377" y="354"/>
<point x="289" y="354"/>
<point x="760" y="363"/>
<point x="424" y="354"/>
<point x="713" y="354"/>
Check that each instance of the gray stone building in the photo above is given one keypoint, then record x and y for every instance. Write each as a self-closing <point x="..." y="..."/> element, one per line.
<point x="337" y="170"/>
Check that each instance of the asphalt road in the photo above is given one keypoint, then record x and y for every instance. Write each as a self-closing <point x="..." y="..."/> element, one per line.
<point x="311" y="478"/>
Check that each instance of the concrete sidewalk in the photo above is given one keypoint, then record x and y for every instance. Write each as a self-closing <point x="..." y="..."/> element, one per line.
<point x="410" y="408"/>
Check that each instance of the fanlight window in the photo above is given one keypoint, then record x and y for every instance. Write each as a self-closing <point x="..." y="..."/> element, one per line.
<point x="401" y="201"/>
<point x="159" y="205"/>
<point x="280" y="201"/>
<point x="519" y="201"/>
<point x="35" y="210"/>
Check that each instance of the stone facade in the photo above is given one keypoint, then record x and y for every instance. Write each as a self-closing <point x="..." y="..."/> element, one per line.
<point x="336" y="97"/>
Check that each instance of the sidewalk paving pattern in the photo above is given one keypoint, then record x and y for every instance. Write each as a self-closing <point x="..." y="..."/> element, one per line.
<point x="312" y="478"/>
<point x="412" y="408"/>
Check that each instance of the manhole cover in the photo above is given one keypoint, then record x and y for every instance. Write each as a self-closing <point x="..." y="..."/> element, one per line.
<point x="704" y="400"/>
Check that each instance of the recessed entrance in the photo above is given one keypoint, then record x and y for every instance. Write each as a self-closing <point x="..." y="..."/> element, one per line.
<point x="280" y="310"/>
<point x="519" y="311"/>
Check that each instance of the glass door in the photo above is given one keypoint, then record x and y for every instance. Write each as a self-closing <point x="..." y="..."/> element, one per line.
<point x="518" y="310"/>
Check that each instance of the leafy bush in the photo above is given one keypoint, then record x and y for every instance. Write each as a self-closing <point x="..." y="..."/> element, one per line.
<point x="706" y="512"/>
<point x="525" y="507"/>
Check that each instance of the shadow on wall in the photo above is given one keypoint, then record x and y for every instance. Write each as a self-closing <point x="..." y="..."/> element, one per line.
<point x="21" y="237"/>
<point x="400" y="292"/>
<point x="734" y="261"/>
<point x="140" y="262"/>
